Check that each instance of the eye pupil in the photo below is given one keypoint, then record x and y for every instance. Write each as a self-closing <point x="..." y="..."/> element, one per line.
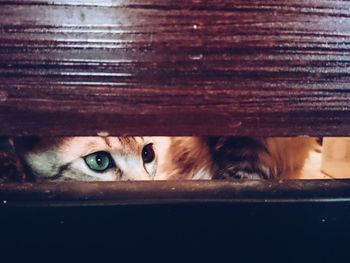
<point x="148" y="153"/>
<point x="99" y="160"/>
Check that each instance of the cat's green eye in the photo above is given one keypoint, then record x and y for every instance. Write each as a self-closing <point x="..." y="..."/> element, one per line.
<point x="99" y="161"/>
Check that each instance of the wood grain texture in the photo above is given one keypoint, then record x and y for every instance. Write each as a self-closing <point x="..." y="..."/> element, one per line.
<point x="175" y="67"/>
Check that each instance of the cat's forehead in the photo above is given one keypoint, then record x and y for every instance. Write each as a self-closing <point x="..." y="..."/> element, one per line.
<point x="87" y="145"/>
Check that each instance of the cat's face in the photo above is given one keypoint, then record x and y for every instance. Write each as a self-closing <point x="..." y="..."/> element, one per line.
<point x="97" y="158"/>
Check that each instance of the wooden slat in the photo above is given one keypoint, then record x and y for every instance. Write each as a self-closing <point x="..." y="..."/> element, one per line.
<point x="174" y="67"/>
<point x="159" y="192"/>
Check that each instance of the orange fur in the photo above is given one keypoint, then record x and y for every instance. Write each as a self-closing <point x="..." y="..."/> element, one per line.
<point x="177" y="157"/>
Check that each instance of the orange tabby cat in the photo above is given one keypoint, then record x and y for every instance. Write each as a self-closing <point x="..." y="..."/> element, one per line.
<point x="162" y="158"/>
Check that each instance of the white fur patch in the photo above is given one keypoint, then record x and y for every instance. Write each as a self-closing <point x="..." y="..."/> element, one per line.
<point x="43" y="164"/>
<point x="202" y="174"/>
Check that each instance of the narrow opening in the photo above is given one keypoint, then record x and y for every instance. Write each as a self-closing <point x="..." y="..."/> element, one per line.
<point x="147" y="158"/>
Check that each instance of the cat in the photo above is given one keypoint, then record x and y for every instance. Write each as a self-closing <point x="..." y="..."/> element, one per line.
<point x="162" y="158"/>
<point x="114" y="158"/>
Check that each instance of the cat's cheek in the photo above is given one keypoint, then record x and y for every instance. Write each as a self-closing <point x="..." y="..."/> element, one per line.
<point x="42" y="164"/>
<point x="108" y="176"/>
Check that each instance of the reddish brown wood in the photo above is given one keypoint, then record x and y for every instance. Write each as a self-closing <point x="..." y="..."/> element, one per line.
<point x="174" y="67"/>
